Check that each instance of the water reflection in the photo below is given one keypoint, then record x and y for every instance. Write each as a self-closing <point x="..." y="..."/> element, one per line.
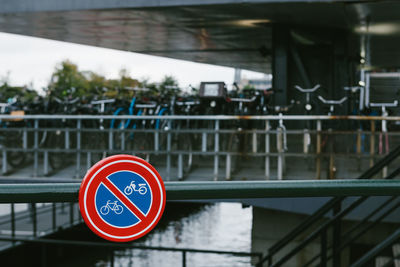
<point x="221" y="226"/>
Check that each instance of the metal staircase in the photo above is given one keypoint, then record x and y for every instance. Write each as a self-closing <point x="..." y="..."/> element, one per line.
<point x="325" y="226"/>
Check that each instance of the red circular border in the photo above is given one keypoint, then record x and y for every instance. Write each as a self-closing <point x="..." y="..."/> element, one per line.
<point x="90" y="184"/>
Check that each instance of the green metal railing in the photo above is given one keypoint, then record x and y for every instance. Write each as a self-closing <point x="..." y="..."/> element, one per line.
<point x="115" y="246"/>
<point x="68" y="192"/>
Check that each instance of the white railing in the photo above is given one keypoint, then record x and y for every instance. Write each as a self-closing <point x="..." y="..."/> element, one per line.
<point x="180" y="142"/>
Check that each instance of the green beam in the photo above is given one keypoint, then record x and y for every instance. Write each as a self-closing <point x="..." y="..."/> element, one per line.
<point x="68" y="192"/>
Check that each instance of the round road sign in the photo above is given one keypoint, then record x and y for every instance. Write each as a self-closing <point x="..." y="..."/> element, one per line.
<point x="122" y="198"/>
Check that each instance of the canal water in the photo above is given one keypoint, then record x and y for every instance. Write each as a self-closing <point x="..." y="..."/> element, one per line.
<point x="220" y="226"/>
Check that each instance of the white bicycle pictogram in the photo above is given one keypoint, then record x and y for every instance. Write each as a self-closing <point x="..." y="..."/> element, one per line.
<point x="111" y="206"/>
<point x="132" y="188"/>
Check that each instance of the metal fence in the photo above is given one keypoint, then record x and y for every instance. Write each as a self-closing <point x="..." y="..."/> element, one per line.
<point x="223" y="144"/>
<point x="51" y="217"/>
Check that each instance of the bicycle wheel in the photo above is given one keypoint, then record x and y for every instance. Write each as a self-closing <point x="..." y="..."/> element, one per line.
<point x="15" y="158"/>
<point x="128" y="190"/>
<point x="104" y="210"/>
<point x="142" y="190"/>
<point x="14" y="140"/>
<point x="118" y="209"/>
<point x="57" y="159"/>
<point x="95" y="140"/>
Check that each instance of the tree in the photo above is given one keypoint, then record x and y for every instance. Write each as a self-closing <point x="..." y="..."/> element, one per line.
<point x="169" y="86"/>
<point x="68" y="81"/>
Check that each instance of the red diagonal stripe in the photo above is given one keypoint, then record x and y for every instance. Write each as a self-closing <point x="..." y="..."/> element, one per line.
<point x="121" y="197"/>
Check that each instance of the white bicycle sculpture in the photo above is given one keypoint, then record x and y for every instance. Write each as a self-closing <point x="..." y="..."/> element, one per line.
<point x="132" y="188"/>
<point x="118" y="209"/>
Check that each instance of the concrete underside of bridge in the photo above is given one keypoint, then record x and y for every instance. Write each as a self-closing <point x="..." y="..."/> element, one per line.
<point x="300" y="42"/>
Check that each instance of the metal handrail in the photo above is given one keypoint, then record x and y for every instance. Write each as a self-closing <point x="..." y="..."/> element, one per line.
<point x="184" y="251"/>
<point x="202" y="117"/>
<point x="215" y="190"/>
<point x="357" y="226"/>
<point x="318" y="231"/>
<point x="327" y="207"/>
<point x="377" y="249"/>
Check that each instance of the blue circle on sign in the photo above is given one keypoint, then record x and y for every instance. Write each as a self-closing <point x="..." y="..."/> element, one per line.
<point x="113" y="210"/>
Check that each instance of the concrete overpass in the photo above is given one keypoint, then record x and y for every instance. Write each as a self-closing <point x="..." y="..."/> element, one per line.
<point x="300" y="42"/>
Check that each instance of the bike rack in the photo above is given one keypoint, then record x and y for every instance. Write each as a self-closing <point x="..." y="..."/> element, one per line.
<point x="74" y="143"/>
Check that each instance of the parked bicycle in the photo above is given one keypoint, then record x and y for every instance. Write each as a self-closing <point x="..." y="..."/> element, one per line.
<point x="329" y="141"/>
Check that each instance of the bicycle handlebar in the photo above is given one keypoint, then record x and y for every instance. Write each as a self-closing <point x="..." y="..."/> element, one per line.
<point x="144" y="89"/>
<point x="105" y="101"/>
<point x="352" y="88"/>
<point x="332" y="102"/>
<point x="145" y="105"/>
<point x="73" y="101"/>
<point x="244" y="100"/>
<point x="307" y="90"/>
<point x="280" y="109"/>
<point x="388" y="105"/>
<point x="187" y="103"/>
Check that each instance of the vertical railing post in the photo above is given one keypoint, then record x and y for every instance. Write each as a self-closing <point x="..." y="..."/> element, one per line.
<point x="279" y="148"/>
<point x="358" y="149"/>
<point x="336" y="235"/>
<point x="78" y="147"/>
<point x="13" y="220"/>
<point x="34" y="219"/>
<point x="180" y="166"/>
<point x="43" y="255"/>
<point x="318" y="160"/>
<point x="228" y="167"/>
<point x="112" y="258"/>
<point x="36" y="147"/>
<point x="71" y="213"/>
<point x="372" y="144"/>
<point x="110" y="140"/>
<point x="156" y="140"/>
<point x="267" y="150"/>
<point x="122" y="136"/>
<point x="4" y="162"/>
<point x="66" y="132"/>
<point x="332" y="168"/>
<point x="46" y="163"/>
<point x="323" y="241"/>
<point x="385" y="142"/>
<point x="25" y="139"/>
<point x="53" y="217"/>
<point x="216" y="150"/>
<point x="203" y="142"/>
<point x="183" y="258"/>
<point x="169" y="141"/>
<point x="88" y="160"/>
<point x="254" y="142"/>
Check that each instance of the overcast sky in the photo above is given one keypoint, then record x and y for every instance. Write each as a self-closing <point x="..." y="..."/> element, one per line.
<point x="27" y="60"/>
